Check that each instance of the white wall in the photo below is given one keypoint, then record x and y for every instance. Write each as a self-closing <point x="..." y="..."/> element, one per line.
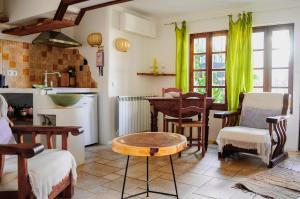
<point x="97" y="21"/>
<point x="163" y="48"/>
<point x="120" y="69"/>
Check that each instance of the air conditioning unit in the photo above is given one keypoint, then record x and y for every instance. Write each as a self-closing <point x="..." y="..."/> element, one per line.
<point x="137" y="25"/>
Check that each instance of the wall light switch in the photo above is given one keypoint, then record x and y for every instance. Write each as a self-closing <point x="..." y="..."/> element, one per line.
<point x="12" y="73"/>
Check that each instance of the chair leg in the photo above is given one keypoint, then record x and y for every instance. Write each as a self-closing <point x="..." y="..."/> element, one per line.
<point x="203" y="141"/>
<point x="179" y="130"/>
<point x="173" y="128"/>
<point x="199" y="139"/>
<point x="164" y="125"/>
<point x="191" y="136"/>
<point x="167" y="126"/>
<point x="68" y="192"/>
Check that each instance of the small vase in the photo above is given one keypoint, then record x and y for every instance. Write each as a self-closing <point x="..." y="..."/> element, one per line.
<point x="155" y="67"/>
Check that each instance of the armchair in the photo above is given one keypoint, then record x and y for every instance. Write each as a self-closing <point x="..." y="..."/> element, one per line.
<point x="33" y="171"/>
<point x="257" y="127"/>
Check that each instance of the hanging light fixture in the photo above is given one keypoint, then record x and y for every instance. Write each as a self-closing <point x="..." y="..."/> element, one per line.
<point x="122" y="44"/>
<point x="95" y="40"/>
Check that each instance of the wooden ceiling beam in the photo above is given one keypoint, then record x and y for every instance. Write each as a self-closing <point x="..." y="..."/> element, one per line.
<point x="61" y="11"/>
<point x="102" y="5"/>
<point x="71" y="2"/>
<point x="63" y="7"/>
<point x="58" y="22"/>
<point x="38" y="27"/>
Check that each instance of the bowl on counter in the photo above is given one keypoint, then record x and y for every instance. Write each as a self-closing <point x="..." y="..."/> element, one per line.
<point x="65" y="100"/>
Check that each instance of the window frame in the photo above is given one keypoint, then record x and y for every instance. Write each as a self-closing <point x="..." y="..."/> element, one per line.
<point x="267" y="68"/>
<point x="209" y="68"/>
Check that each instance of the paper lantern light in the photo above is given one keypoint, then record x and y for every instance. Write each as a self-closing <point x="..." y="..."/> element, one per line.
<point x="122" y="44"/>
<point x="94" y="39"/>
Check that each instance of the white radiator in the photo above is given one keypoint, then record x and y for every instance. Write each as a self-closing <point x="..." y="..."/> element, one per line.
<point x="133" y="114"/>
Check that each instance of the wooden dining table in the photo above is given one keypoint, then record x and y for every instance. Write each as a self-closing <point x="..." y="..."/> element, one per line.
<point x="170" y="107"/>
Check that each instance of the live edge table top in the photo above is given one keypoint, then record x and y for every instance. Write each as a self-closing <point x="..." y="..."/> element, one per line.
<point x="149" y="144"/>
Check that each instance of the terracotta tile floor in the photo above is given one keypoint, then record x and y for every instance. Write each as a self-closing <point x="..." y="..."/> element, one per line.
<point x="101" y="177"/>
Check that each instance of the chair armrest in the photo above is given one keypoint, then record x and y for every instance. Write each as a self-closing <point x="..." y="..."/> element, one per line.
<point x="224" y="114"/>
<point x="276" y="119"/>
<point x="24" y="150"/>
<point x="59" y="130"/>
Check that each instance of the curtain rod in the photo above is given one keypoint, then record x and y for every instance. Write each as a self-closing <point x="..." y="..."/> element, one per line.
<point x="195" y="20"/>
<point x="222" y="16"/>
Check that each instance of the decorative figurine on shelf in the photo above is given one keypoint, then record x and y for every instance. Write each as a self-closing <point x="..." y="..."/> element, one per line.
<point x="155" y="67"/>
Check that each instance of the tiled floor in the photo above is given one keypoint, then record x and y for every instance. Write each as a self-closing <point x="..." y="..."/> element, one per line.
<point x="101" y="176"/>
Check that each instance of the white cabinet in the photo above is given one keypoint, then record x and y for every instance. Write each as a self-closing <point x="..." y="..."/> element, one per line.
<point x="90" y="103"/>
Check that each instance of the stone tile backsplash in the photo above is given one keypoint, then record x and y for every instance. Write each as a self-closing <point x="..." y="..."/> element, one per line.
<point x="31" y="61"/>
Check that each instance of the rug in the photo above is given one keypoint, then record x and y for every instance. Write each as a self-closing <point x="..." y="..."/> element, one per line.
<point x="276" y="183"/>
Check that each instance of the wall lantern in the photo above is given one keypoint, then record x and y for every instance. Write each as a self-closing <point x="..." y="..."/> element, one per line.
<point x="122" y="44"/>
<point x="95" y="40"/>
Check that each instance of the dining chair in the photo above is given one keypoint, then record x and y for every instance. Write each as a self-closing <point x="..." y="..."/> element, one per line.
<point x="172" y="92"/>
<point x="194" y="110"/>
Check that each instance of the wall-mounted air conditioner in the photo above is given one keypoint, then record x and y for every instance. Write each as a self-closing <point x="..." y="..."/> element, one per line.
<point x="137" y="25"/>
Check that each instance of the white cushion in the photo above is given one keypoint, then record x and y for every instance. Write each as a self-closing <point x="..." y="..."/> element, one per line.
<point x="270" y="101"/>
<point x="44" y="170"/>
<point x="244" y="134"/>
<point x="246" y="138"/>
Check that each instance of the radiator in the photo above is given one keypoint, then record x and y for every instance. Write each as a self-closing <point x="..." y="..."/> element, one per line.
<point x="133" y="114"/>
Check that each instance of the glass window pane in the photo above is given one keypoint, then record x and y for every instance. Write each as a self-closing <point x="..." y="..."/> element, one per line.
<point x="218" y="94"/>
<point x="218" y="78"/>
<point x="200" y="90"/>
<point x="280" y="58"/>
<point x="280" y="90"/>
<point x="199" y="61"/>
<point x="258" y="77"/>
<point x="219" y="43"/>
<point x="280" y="78"/>
<point x="281" y="39"/>
<point x="258" y="59"/>
<point x="200" y="45"/>
<point x="258" y="40"/>
<point x="200" y="78"/>
<point x="258" y="90"/>
<point x="218" y="61"/>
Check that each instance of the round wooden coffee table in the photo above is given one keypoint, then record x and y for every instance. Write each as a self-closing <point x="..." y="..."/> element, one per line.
<point x="149" y="144"/>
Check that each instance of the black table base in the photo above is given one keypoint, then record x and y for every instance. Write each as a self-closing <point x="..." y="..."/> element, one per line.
<point x="148" y="190"/>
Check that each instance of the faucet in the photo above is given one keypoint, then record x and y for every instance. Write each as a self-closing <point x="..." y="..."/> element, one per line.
<point x="46" y="77"/>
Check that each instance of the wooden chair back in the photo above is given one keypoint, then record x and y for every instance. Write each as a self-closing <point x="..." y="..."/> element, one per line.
<point x="195" y="110"/>
<point x="170" y="90"/>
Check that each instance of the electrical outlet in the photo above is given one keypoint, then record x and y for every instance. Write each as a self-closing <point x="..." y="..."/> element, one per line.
<point x="12" y="73"/>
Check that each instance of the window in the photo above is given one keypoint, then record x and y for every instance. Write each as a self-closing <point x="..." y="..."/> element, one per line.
<point x="272" y="62"/>
<point x="207" y="65"/>
<point x="273" y="58"/>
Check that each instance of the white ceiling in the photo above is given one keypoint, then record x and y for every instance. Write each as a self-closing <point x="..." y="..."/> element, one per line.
<point x="168" y="8"/>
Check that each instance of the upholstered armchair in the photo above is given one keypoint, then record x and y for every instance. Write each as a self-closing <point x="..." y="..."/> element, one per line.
<point x="257" y="127"/>
<point x="30" y="171"/>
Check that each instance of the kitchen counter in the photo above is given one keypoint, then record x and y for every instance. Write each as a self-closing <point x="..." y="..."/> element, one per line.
<point x="53" y="90"/>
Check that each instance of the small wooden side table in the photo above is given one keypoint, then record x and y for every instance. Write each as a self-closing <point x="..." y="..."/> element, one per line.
<point x="149" y="144"/>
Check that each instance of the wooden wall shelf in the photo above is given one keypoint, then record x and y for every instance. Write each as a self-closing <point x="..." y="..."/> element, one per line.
<point x="159" y="74"/>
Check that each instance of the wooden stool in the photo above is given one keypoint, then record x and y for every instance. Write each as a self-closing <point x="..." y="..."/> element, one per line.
<point x="149" y="144"/>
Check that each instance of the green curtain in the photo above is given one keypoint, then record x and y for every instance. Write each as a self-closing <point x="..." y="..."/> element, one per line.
<point x="182" y="70"/>
<point x="239" y="71"/>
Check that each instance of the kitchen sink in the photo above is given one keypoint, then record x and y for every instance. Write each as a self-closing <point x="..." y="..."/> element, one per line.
<point x="65" y="99"/>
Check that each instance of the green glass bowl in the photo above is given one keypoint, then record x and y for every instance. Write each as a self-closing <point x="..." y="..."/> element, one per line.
<point x="65" y="99"/>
